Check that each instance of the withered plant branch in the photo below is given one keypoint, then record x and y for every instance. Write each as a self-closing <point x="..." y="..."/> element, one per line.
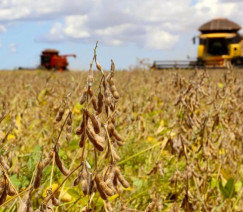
<point x="71" y="166"/>
<point x="52" y="167"/>
<point x="90" y="199"/>
<point x="105" y="206"/>
<point x="4" y="116"/>
<point x="60" y="132"/>
<point x="109" y="143"/>
<point x="13" y="206"/>
<point x="61" y="184"/>
<point x="71" y="204"/>
<point x="185" y="150"/>
<point x="95" y="202"/>
<point x="11" y="184"/>
<point x="17" y="195"/>
<point x="35" y="171"/>
<point x="83" y="151"/>
<point x="141" y="193"/>
<point x="139" y="153"/>
<point x="6" y="136"/>
<point x="96" y="161"/>
<point x="198" y="193"/>
<point x="95" y="55"/>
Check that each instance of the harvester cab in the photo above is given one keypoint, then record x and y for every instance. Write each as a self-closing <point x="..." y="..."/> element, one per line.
<point x="50" y="59"/>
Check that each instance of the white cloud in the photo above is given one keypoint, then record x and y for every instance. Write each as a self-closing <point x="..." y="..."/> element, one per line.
<point x="13" y="47"/>
<point x="76" y="26"/>
<point x="2" y="28"/>
<point x="11" y="10"/>
<point x="113" y="30"/>
<point x="155" y="24"/>
<point x="56" y="32"/>
<point x="159" y="39"/>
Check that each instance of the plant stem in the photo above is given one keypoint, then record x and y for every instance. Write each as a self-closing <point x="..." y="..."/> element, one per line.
<point x="139" y="153"/>
<point x="52" y="168"/>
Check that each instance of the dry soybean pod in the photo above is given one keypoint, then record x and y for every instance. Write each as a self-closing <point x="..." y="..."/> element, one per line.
<point x="111" y="186"/>
<point x="94" y="122"/>
<point x="110" y="178"/>
<point x="60" y="114"/>
<point x="90" y="80"/>
<point x="111" y="173"/>
<point x="93" y="101"/>
<point x="103" y="189"/>
<point x="4" y="189"/>
<point x="11" y="191"/>
<point x="96" y="140"/>
<point x="115" y="155"/>
<point x="113" y="90"/>
<point x="78" y="131"/>
<point x="85" y="179"/>
<point x="25" y="204"/>
<point x="69" y="127"/>
<point x="70" y="118"/>
<point x="107" y="170"/>
<point x="117" y="136"/>
<point x="55" y="201"/>
<point x="121" y="179"/>
<point x="47" y="160"/>
<point x="100" y="103"/>
<point x="83" y="129"/>
<point x="77" y="179"/>
<point x="110" y="128"/>
<point x="38" y="175"/>
<point x="3" y="163"/>
<point x="60" y="165"/>
<point x="4" y="196"/>
<point x="102" y="184"/>
<point x="2" y="185"/>
<point x="120" y="143"/>
<point x="84" y="96"/>
<point x="82" y="139"/>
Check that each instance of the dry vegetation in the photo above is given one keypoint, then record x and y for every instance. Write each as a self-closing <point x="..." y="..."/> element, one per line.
<point x="166" y="141"/>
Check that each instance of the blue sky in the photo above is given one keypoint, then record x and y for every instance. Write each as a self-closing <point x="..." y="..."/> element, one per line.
<point x="126" y="30"/>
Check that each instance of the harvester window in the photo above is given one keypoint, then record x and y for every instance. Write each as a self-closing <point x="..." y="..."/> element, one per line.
<point x="202" y="41"/>
<point x="235" y="39"/>
<point x="45" y="59"/>
<point x="217" y="47"/>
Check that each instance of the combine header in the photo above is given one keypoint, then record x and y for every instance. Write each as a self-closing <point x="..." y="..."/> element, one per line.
<point x="170" y="64"/>
<point x="219" y="41"/>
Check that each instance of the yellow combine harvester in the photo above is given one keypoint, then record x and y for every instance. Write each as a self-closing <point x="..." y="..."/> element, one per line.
<point x="219" y="41"/>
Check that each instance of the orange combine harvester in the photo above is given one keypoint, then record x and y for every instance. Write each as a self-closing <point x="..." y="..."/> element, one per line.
<point x="51" y="60"/>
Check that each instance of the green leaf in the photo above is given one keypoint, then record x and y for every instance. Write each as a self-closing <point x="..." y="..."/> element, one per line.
<point x="221" y="188"/>
<point x="228" y="191"/>
<point x="213" y="182"/>
<point x="73" y="193"/>
<point x="238" y="186"/>
<point x="73" y="144"/>
<point x="138" y="183"/>
<point x="37" y="152"/>
<point x="16" y="182"/>
<point x="230" y="187"/>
